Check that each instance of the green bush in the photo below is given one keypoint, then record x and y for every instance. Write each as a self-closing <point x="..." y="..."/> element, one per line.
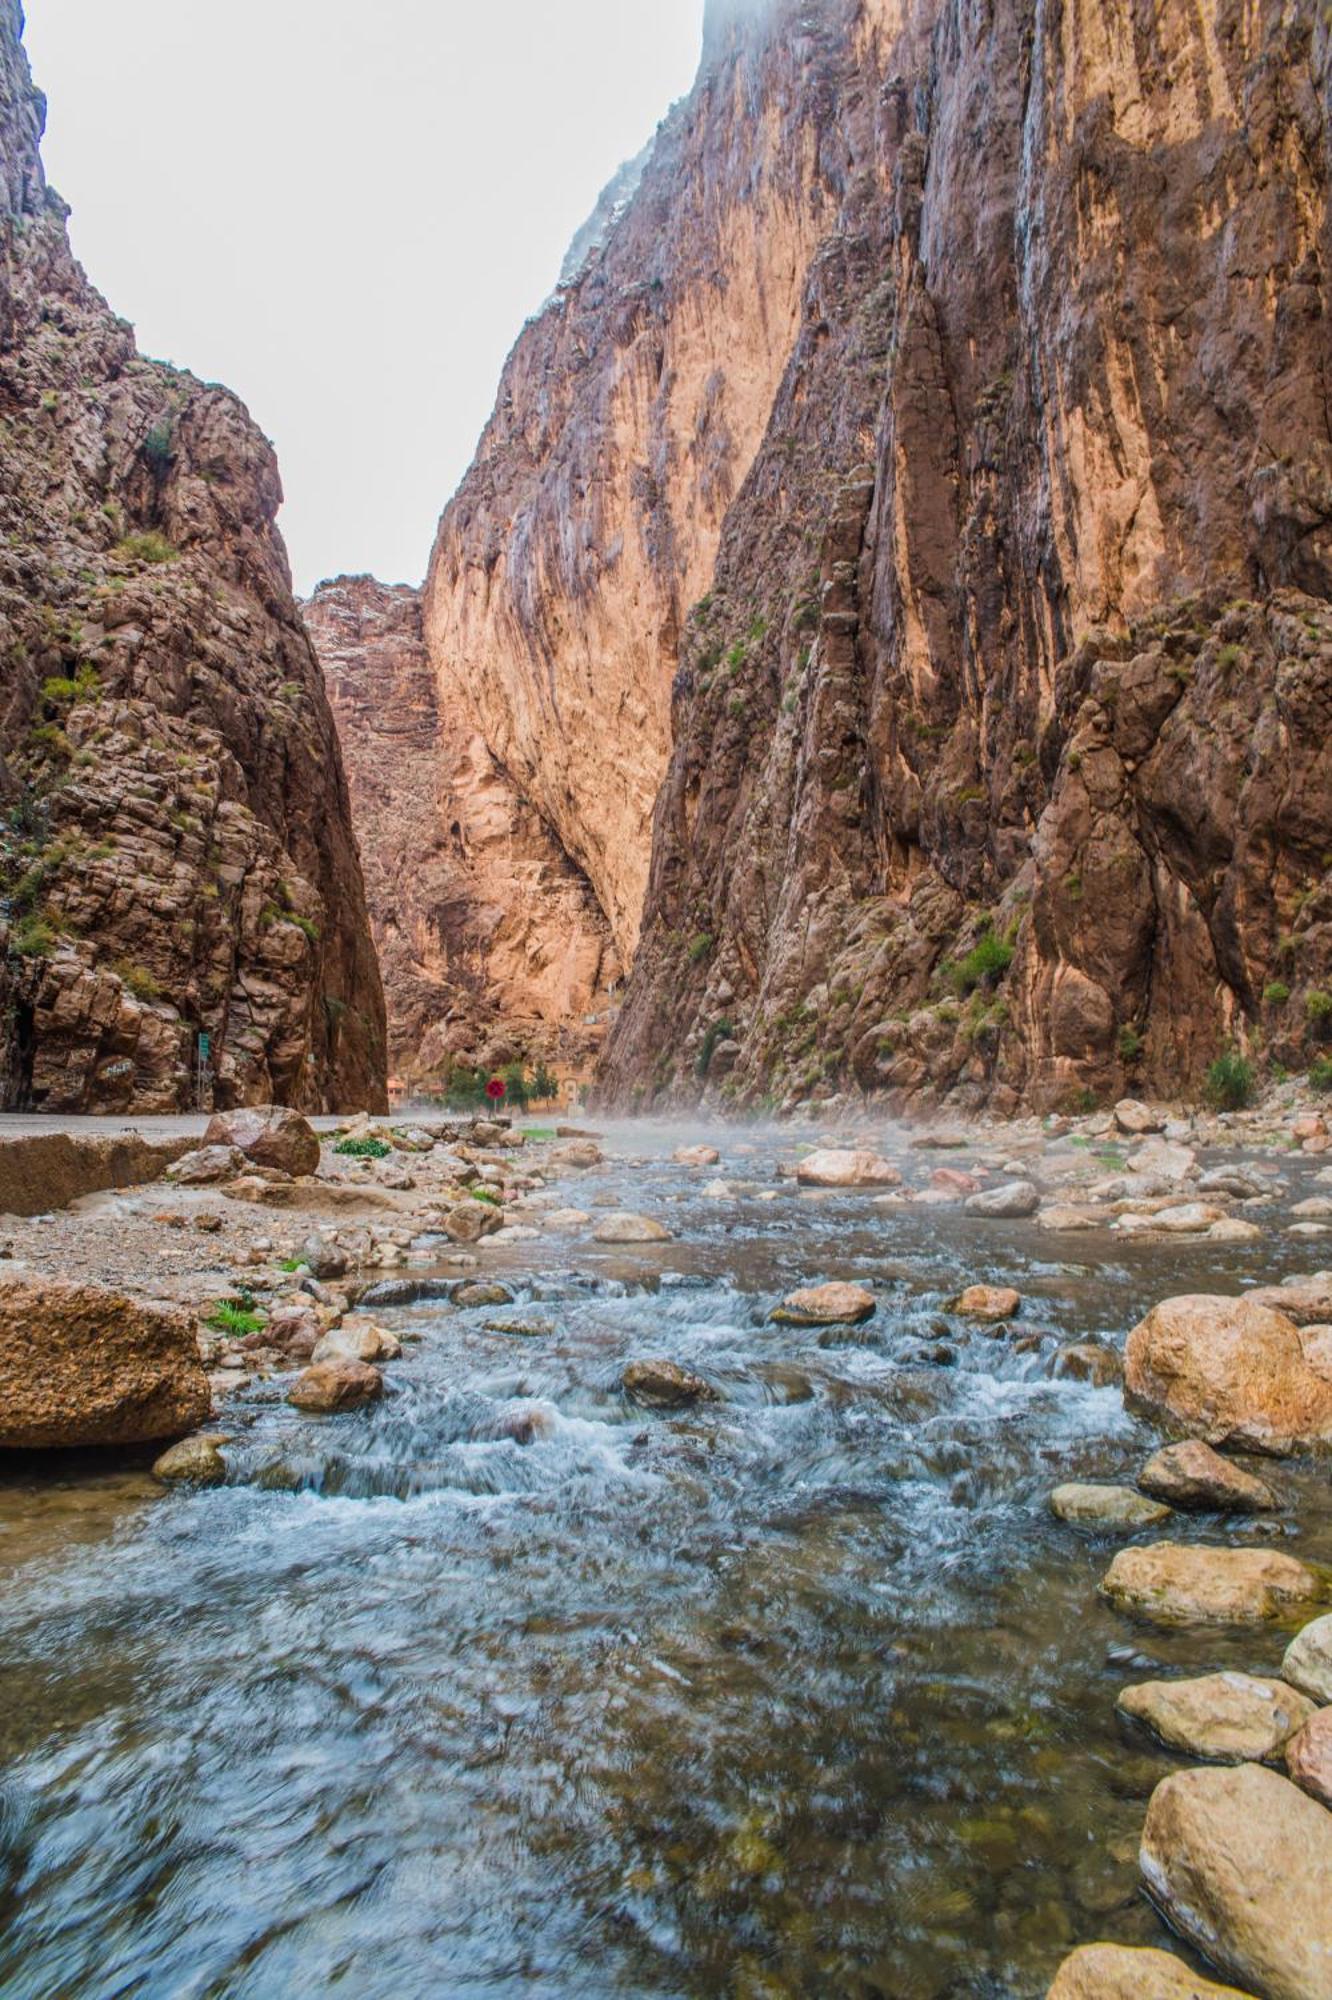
<point x="1276" y="993"/>
<point x="32" y="937"/>
<point x="699" y="947"/>
<point x="1318" y="1008"/>
<point x="138" y="979"/>
<point x="720" y="1031"/>
<point x="62" y="690"/>
<point x="1320" y="1074"/>
<point x="1230" y="1081"/>
<point x="146" y="548"/>
<point x="1130" y="1045"/>
<point x="984" y="965"/>
<point x="363" y="1149"/>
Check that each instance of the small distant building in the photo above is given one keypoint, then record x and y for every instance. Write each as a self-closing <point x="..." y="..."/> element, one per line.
<point x="397" y="1092"/>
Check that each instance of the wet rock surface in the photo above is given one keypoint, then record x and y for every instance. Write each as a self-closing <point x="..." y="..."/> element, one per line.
<point x="1193" y="1476"/>
<point x="1171" y="1584"/>
<point x="1233" y="1370"/>
<point x="82" y="1365"/>
<point x="1225" y="1718"/>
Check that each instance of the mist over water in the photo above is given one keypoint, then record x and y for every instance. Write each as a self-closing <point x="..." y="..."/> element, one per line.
<point x="507" y="1686"/>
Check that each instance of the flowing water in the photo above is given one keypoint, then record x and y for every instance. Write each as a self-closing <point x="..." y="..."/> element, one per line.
<point x="508" y="1688"/>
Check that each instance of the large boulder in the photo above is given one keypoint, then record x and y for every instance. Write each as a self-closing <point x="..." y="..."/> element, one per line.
<point x="990" y="1303"/>
<point x="1192" y="1475"/>
<point x="1226" y="1718"/>
<point x="696" y="1156"/>
<point x="469" y="1221"/>
<point x="826" y="1305"/>
<point x="1138" y="1119"/>
<point x="1308" y="1301"/>
<point x="1240" y="1863"/>
<point x="330" y="1386"/>
<point x="1009" y="1203"/>
<point x="580" y="1153"/>
<point x="1174" y="1584"/>
<point x="665" y="1385"/>
<point x="269" y="1135"/>
<point x="206" y="1166"/>
<point x="1233" y="1371"/>
<point x="1308" y="1661"/>
<point x="1117" y="1972"/>
<point x="81" y="1365"/>
<point x="621" y="1227"/>
<point x="830" y="1167"/>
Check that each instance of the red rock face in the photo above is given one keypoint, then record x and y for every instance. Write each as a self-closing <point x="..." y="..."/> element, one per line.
<point x="1001" y="740"/>
<point x="176" y="850"/>
<point x="492" y="945"/>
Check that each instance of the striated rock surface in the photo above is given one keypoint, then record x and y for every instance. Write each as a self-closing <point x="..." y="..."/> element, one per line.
<point x="1000" y="761"/>
<point x="176" y="854"/>
<point x="492" y="945"/>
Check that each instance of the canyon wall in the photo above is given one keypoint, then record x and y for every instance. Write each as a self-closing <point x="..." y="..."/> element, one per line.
<point x="492" y="946"/>
<point x="177" y="868"/>
<point x="1001" y="764"/>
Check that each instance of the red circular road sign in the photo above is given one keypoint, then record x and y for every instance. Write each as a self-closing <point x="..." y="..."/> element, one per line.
<point x="495" y="1089"/>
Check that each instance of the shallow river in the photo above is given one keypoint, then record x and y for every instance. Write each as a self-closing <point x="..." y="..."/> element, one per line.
<point x="803" y="1693"/>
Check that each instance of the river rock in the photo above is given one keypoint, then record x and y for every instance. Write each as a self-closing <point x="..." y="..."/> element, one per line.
<point x="1088" y="1361"/>
<point x="84" y="1365"/>
<point x="1009" y="1203"/>
<point x="195" y="1461"/>
<point x="696" y="1156"/>
<point x="1307" y="1301"/>
<point x="1234" y="1181"/>
<point x="1231" y="1370"/>
<point x="323" y="1259"/>
<point x="205" y="1166"/>
<point x="623" y="1227"/>
<point x="1233" y="1229"/>
<point x="832" y="1168"/>
<point x="987" y="1302"/>
<point x="1240" y="1862"/>
<point x="1090" y="1506"/>
<point x="1171" y="1583"/>
<point x="665" y="1385"/>
<point x="826" y="1305"/>
<point x="1118" y="1972"/>
<point x="1138" y="1119"/>
<point x="567" y="1218"/>
<point x="1063" y="1218"/>
<point x="295" y="1330"/>
<point x="269" y="1135"/>
<point x="1227" y="1718"/>
<point x="469" y="1221"/>
<point x="329" y="1386"/>
<point x="1309" y="1757"/>
<point x="1190" y="1218"/>
<point x="1192" y="1475"/>
<point x="1163" y="1159"/>
<point x="1308" y="1661"/>
<point x="358" y="1339"/>
<point x="473" y="1292"/>
<point x="579" y="1153"/>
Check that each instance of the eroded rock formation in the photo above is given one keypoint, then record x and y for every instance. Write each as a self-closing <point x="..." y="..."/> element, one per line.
<point x="492" y="944"/>
<point x="966" y="369"/>
<point x="175" y="836"/>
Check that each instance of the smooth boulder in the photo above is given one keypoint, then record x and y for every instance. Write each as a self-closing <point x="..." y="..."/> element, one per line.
<point x="469" y="1221"/>
<point x="1309" y="1757"/>
<point x="1010" y="1203"/>
<point x="1138" y="1119"/>
<point x="696" y="1156"/>
<point x="358" y="1339"/>
<point x="1106" y="1507"/>
<point x="1226" y="1718"/>
<point x="832" y="1167"/>
<point x="1240" y="1863"/>
<point x="1229" y="1370"/>
<point x="826" y="1305"/>
<point x="1192" y="1476"/>
<point x="665" y="1385"/>
<point x="269" y="1135"/>
<point x="329" y="1386"/>
<point x="195" y="1461"/>
<point x="1119" y="1972"/>
<point x="990" y="1303"/>
<point x="83" y="1365"/>
<point x="622" y="1227"/>
<point x="1171" y="1583"/>
<point x="1308" y="1661"/>
<point x="579" y="1154"/>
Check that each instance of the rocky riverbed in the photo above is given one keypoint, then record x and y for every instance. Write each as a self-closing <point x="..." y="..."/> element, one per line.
<point x="707" y="1562"/>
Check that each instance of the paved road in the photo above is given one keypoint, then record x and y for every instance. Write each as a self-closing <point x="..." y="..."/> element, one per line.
<point x="24" y="1124"/>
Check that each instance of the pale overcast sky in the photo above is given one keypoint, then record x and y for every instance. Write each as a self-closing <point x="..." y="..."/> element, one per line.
<point x="345" y="210"/>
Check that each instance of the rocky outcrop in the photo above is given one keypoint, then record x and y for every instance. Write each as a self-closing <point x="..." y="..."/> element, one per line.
<point x="178" y="871"/>
<point x="81" y="1366"/>
<point x="491" y="943"/>
<point x="1000" y="733"/>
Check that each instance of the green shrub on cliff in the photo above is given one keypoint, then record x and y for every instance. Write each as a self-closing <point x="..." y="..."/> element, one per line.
<point x="984" y="965"/>
<point x="146" y="548"/>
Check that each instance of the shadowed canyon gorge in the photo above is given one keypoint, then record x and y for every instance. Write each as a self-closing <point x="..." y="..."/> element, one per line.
<point x="881" y="647"/>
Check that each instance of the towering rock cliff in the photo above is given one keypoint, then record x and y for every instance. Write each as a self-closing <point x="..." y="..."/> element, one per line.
<point x="179" y="875"/>
<point x="965" y="365"/>
<point x="492" y="946"/>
